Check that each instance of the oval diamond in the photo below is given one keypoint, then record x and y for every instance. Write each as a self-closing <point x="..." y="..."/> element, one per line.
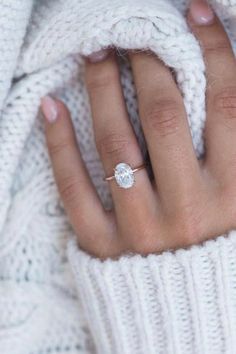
<point x="124" y="175"/>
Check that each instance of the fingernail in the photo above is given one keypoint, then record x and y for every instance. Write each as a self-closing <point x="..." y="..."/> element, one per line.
<point x="201" y="12"/>
<point x="98" y="56"/>
<point x="49" y="108"/>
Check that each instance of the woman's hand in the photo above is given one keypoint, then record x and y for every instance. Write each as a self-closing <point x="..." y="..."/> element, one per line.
<point x="190" y="200"/>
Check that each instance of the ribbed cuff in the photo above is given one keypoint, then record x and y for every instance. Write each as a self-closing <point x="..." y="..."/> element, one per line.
<point x="181" y="302"/>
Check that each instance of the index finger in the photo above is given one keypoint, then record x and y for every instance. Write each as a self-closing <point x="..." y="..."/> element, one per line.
<point x="78" y="194"/>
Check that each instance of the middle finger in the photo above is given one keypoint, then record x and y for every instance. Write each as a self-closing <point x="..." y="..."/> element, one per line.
<point x="166" y="129"/>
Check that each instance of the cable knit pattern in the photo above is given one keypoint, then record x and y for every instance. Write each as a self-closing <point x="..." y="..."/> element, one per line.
<point x="13" y="21"/>
<point x="52" y="301"/>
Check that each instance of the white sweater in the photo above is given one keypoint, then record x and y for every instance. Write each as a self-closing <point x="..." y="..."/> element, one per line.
<point x="54" y="298"/>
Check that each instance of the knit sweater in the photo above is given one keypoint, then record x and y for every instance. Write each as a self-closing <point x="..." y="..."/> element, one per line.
<point x="55" y="298"/>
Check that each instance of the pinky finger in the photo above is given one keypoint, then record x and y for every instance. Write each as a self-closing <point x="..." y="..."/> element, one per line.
<point x="82" y="204"/>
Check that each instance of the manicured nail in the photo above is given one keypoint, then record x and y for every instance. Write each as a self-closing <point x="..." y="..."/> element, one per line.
<point x="98" y="56"/>
<point x="201" y="13"/>
<point x="49" y="108"/>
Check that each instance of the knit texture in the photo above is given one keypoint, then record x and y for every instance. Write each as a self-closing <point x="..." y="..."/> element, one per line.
<point x="183" y="302"/>
<point x="43" y="307"/>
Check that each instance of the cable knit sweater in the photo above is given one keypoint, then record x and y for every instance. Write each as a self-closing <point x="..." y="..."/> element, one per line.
<point x="54" y="298"/>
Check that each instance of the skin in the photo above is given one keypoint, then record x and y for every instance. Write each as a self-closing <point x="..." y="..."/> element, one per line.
<point x="189" y="201"/>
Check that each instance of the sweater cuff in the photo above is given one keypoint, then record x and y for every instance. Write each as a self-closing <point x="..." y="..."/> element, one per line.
<point x="176" y="302"/>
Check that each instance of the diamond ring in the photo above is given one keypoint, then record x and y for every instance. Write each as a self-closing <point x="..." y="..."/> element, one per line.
<point x="124" y="175"/>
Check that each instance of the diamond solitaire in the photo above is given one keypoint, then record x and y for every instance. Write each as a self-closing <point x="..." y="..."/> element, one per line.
<point x="124" y="175"/>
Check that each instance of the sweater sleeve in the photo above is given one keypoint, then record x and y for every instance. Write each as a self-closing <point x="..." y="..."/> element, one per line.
<point x="176" y="302"/>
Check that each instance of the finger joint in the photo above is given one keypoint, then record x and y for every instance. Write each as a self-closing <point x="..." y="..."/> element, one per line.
<point x="55" y="148"/>
<point x="225" y="104"/>
<point x="164" y="118"/>
<point x="113" y="145"/>
<point x="214" y="47"/>
<point x="68" y="190"/>
<point x="100" y="80"/>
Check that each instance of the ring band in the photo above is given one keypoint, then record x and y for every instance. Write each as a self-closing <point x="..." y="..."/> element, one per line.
<point x="124" y="175"/>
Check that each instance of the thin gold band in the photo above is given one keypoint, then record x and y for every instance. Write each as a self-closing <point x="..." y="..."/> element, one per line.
<point x="110" y="178"/>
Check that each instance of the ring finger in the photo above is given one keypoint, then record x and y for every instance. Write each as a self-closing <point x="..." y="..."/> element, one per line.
<point x="116" y="141"/>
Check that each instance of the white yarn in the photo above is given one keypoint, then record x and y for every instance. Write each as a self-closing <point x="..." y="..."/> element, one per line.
<point x="172" y="303"/>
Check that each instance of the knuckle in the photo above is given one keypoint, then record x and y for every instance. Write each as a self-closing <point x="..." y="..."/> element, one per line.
<point x="225" y="103"/>
<point x="112" y="145"/>
<point x="218" y="46"/>
<point x="56" y="147"/>
<point x="68" y="190"/>
<point x="164" y="117"/>
<point x="100" y="80"/>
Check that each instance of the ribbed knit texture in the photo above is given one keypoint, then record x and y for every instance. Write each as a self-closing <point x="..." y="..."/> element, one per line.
<point x="183" y="302"/>
<point x="171" y="303"/>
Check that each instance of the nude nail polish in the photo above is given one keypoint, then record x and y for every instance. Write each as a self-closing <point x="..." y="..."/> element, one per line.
<point x="49" y="108"/>
<point x="201" y="13"/>
<point x="98" y="56"/>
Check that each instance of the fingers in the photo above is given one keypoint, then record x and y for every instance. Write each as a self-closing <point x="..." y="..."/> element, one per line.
<point x="194" y="209"/>
<point x="116" y="141"/>
<point x="220" y="62"/>
<point x="78" y="194"/>
<point x="165" y="128"/>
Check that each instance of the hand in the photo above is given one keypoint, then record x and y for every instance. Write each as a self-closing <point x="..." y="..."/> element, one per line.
<point x="190" y="200"/>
